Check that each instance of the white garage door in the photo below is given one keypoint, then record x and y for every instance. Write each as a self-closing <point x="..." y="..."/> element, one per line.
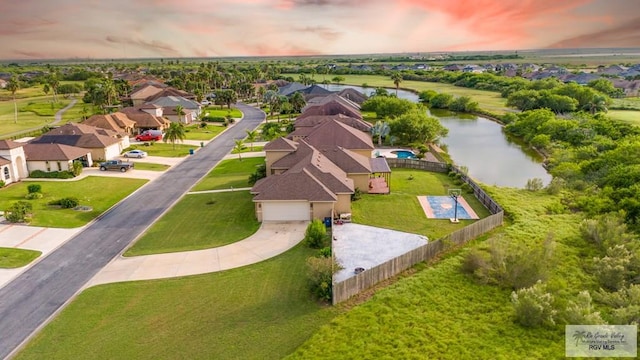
<point x="285" y="211"/>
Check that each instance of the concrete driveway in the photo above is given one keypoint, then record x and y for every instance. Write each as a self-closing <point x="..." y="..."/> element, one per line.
<point x="273" y="238"/>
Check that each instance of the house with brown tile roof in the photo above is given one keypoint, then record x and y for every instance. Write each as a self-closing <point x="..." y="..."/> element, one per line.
<point x="353" y="95"/>
<point x="333" y="133"/>
<point x="55" y="157"/>
<point x="312" y="121"/>
<point x="117" y="121"/>
<point x="13" y="165"/>
<point x="169" y="91"/>
<point x="141" y="96"/>
<point x="102" y="143"/>
<point x="146" y="117"/>
<point x="331" y="105"/>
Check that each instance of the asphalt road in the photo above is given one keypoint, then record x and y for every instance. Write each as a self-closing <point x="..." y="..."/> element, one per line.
<point x="34" y="296"/>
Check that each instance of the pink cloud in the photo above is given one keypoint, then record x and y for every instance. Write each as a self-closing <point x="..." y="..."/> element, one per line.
<point x="625" y="35"/>
<point x="269" y="50"/>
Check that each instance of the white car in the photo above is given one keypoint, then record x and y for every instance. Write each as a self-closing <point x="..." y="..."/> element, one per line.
<point x="205" y="102"/>
<point x="135" y="154"/>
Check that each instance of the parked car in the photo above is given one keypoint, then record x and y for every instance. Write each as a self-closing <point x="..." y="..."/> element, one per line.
<point x="205" y="102"/>
<point x="135" y="154"/>
<point x="119" y="165"/>
<point x="149" y="135"/>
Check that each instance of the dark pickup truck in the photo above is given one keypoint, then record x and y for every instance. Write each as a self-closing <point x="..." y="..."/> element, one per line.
<point x="116" y="165"/>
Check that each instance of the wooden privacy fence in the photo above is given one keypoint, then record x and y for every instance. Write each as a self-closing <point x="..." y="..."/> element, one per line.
<point x="370" y="277"/>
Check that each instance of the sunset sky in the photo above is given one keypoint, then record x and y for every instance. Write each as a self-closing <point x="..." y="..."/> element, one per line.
<point x="40" y="29"/>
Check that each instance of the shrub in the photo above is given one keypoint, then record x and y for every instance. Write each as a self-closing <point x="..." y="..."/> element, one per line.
<point x="534" y="184"/>
<point x="315" y="235"/>
<point x="556" y="185"/>
<point x="218" y="119"/>
<point x="325" y="252"/>
<point x="320" y="273"/>
<point x="34" y="188"/>
<point x="18" y="212"/>
<point x="261" y="172"/>
<point x="466" y="188"/>
<point x="357" y="194"/>
<point x="606" y="231"/>
<point x="51" y="175"/>
<point x="77" y="168"/>
<point x="2" y="183"/>
<point x="556" y="207"/>
<point x="533" y="306"/>
<point x="581" y="311"/>
<point x="613" y="270"/>
<point x="69" y="202"/>
<point x="203" y="124"/>
<point x="626" y="304"/>
<point x="34" y="195"/>
<point x="512" y="265"/>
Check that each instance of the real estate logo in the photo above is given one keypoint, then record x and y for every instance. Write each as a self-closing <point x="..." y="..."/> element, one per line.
<point x="601" y="340"/>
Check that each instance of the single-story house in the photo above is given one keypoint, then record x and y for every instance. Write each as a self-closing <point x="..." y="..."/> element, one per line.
<point x="117" y="121"/>
<point x="55" y="157"/>
<point x="332" y="104"/>
<point x="103" y="144"/>
<point x="146" y="117"/>
<point x="169" y="104"/>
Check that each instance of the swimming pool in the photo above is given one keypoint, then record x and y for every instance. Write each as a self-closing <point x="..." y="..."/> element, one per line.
<point x="404" y="154"/>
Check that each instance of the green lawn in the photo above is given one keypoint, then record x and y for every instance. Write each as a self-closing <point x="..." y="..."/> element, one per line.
<point x="229" y="173"/>
<point x="248" y="148"/>
<point x="203" y="133"/>
<point x="100" y="193"/>
<point x="11" y="258"/>
<point x="440" y="313"/>
<point x="151" y="166"/>
<point x="200" y="221"/>
<point x="165" y="149"/>
<point x="628" y="116"/>
<point x="28" y="113"/>
<point x="629" y="102"/>
<point x="78" y="111"/>
<point x="374" y="210"/>
<point x="215" y="111"/>
<point x="262" y="311"/>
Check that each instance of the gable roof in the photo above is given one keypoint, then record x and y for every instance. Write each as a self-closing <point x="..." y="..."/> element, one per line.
<point x="334" y="133"/>
<point x="281" y="144"/>
<point x="117" y="121"/>
<point x="4" y="161"/>
<point x="145" y="92"/>
<point x="353" y="95"/>
<point x="89" y="141"/>
<point x="173" y="101"/>
<point x="331" y="105"/>
<point x="291" y="186"/>
<point x="288" y="161"/>
<point x="142" y="118"/>
<point x="316" y="90"/>
<point x="347" y="160"/>
<point x="331" y="175"/>
<point x="315" y="120"/>
<point x="168" y="92"/>
<point x="9" y="144"/>
<point x="53" y="152"/>
<point x="291" y="88"/>
<point x="81" y="129"/>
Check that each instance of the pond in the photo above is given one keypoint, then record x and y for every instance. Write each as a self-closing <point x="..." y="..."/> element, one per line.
<point x="480" y="144"/>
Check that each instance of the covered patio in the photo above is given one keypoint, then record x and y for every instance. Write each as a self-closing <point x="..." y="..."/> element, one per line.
<point x="380" y="179"/>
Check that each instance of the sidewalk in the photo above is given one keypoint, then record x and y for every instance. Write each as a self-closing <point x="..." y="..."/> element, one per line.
<point x="272" y="239"/>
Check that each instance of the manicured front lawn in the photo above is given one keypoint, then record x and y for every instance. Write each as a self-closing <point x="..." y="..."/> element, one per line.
<point x="165" y="149"/>
<point x="230" y="173"/>
<point x="262" y="311"/>
<point x="203" y="133"/>
<point x="215" y="111"/>
<point x="151" y="166"/>
<point x="248" y="149"/>
<point x="200" y="221"/>
<point x="99" y="193"/>
<point x="11" y="258"/>
<point x="401" y="210"/>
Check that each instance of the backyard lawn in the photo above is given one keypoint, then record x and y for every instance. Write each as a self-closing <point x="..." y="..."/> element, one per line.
<point x="230" y="173"/>
<point x="11" y="258"/>
<point x="99" y="193"/>
<point x="200" y="221"/>
<point x="203" y="133"/>
<point x="374" y="210"/>
<point x="262" y="311"/>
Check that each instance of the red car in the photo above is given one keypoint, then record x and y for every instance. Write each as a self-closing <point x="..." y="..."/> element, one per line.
<point x="149" y="136"/>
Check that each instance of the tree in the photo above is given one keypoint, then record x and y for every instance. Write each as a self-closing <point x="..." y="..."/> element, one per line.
<point x="252" y="135"/>
<point x="297" y="102"/>
<point x="397" y="79"/>
<point x="53" y="82"/>
<point x="238" y="147"/>
<point x="524" y="99"/>
<point x="416" y="126"/>
<point x="13" y="86"/>
<point x="606" y="87"/>
<point x="441" y="101"/>
<point x="180" y="112"/>
<point x="174" y="133"/>
<point x="46" y="89"/>
<point x="388" y="106"/>
<point x="381" y="129"/>
<point x="338" y="79"/>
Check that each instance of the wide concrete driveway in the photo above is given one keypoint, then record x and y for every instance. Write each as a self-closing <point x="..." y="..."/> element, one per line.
<point x="273" y="238"/>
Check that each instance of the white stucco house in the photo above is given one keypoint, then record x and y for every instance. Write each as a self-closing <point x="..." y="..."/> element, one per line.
<point x="13" y="164"/>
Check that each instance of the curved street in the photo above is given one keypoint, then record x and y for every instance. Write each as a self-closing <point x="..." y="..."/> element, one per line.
<point x="33" y="297"/>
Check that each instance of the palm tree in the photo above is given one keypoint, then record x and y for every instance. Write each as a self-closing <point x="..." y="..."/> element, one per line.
<point x="239" y="146"/>
<point x="53" y="82"/>
<point x="252" y="135"/>
<point x="397" y="79"/>
<point x="46" y="89"/>
<point x="180" y="112"/>
<point x="297" y="102"/>
<point x="380" y="129"/>
<point x="13" y="85"/>
<point x="174" y="133"/>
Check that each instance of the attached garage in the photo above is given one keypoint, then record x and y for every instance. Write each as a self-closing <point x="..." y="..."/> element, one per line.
<point x="286" y="211"/>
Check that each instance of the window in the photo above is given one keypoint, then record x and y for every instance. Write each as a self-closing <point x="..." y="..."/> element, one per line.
<point x="6" y="173"/>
